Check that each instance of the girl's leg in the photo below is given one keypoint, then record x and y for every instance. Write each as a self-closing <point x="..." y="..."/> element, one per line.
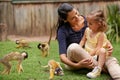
<point x="101" y="60"/>
<point x="102" y="57"/>
<point x="113" y="67"/>
<point x="76" y="53"/>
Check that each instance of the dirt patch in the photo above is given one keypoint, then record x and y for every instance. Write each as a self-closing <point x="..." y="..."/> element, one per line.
<point x="30" y="39"/>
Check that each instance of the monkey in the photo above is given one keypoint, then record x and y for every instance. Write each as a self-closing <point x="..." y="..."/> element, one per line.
<point x="17" y="56"/>
<point x="22" y="43"/>
<point x="45" y="46"/>
<point x="55" y="69"/>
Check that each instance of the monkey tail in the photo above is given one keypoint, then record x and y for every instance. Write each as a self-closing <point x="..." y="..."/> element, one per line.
<point x="50" y="36"/>
<point x="46" y="66"/>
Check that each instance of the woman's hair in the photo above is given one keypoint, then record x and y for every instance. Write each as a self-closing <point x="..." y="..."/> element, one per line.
<point x="63" y="10"/>
<point x="63" y="14"/>
<point x="98" y="16"/>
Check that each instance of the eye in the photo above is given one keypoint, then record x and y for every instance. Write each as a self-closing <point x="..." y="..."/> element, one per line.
<point x="77" y="13"/>
<point x="89" y="23"/>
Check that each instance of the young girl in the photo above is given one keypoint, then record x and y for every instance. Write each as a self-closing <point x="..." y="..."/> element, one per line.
<point x="95" y="41"/>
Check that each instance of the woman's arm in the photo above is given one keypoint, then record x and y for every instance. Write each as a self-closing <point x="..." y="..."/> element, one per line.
<point x="82" y="42"/>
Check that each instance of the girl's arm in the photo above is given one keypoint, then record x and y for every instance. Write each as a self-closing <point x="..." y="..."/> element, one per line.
<point x="109" y="48"/>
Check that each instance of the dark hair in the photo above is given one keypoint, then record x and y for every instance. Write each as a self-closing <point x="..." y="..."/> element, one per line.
<point x="63" y="10"/>
<point x="63" y="13"/>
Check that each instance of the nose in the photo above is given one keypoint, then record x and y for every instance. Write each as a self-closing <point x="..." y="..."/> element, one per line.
<point x="76" y="16"/>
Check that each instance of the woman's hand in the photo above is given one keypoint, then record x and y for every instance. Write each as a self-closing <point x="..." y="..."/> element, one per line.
<point x="85" y="63"/>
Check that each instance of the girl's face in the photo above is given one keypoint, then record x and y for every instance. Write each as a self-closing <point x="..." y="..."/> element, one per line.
<point x="73" y="17"/>
<point x="93" y="25"/>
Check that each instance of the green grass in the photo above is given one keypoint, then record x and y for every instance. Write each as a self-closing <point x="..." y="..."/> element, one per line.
<point x="33" y="70"/>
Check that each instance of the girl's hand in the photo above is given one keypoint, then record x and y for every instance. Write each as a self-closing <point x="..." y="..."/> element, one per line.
<point x="110" y="48"/>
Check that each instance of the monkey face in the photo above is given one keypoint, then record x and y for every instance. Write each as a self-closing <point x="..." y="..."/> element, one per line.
<point x="40" y="46"/>
<point x="17" y="41"/>
<point x="59" y="72"/>
<point x="43" y="46"/>
<point x="25" y="54"/>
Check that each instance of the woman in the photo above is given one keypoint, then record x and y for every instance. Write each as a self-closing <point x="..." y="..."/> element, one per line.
<point x="71" y="27"/>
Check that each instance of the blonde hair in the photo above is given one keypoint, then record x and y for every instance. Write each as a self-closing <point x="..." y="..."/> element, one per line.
<point x="98" y="16"/>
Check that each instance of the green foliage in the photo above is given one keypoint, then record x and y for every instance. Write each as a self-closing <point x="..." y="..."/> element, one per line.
<point x="32" y="68"/>
<point x="113" y="20"/>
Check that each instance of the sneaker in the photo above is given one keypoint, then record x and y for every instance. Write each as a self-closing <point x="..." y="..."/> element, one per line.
<point x="95" y="72"/>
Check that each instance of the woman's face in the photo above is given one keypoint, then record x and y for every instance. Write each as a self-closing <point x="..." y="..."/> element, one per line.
<point x="73" y="17"/>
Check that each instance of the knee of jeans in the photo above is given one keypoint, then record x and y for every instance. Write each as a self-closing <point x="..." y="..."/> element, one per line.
<point x="111" y="60"/>
<point x="72" y="46"/>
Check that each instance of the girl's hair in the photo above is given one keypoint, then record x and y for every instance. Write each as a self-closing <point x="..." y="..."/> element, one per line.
<point x="98" y="16"/>
<point x="63" y="14"/>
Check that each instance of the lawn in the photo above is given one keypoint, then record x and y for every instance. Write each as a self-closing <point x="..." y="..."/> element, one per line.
<point x="34" y="71"/>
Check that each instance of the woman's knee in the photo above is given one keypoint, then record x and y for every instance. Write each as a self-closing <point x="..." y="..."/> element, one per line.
<point x="73" y="46"/>
<point x="111" y="60"/>
<point x="71" y="49"/>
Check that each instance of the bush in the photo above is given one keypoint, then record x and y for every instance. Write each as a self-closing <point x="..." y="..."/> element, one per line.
<point x="113" y="21"/>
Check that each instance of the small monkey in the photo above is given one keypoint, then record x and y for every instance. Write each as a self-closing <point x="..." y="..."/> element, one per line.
<point x="45" y="46"/>
<point x="22" y="43"/>
<point x="55" y="69"/>
<point x="11" y="57"/>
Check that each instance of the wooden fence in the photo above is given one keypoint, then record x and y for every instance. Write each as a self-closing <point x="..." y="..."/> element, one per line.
<point x="35" y="17"/>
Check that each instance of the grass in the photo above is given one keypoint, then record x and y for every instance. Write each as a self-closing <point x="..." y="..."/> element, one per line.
<point x="34" y="71"/>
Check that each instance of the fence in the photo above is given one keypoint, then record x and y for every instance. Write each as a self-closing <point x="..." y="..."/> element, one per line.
<point x="35" y="17"/>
